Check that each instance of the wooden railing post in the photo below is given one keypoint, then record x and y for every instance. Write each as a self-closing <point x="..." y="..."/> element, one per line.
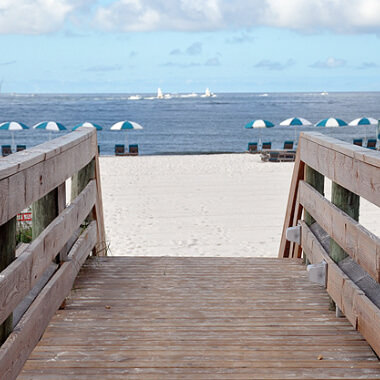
<point x="349" y="202"/>
<point x="7" y="255"/>
<point x="316" y="180"/>
<point x="80" y="180"/>
<point x="44" y="211"/>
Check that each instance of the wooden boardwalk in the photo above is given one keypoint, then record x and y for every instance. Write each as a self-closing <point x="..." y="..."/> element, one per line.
<point x="198" y="318"/>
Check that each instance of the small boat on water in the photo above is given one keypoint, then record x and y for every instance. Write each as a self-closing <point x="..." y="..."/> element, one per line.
<point x="208" y="94"/>
<point x="160" y="95"/>
<point x="135" y="97"/>
<point x="324" y="93"/>
<point x="192" y="95"/>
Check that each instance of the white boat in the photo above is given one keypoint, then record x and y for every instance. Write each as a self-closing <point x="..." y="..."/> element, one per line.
<point x="208" y="94"/>
<point x="324" y="93"/>
<point x="135" y="97"/>
<point x="192" y="95"/>
<point x="160" y="95"/>
<point x="265" y="95"/>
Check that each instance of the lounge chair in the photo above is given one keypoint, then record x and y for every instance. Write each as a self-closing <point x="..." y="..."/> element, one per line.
<point x="252" y="147"/>
<point x="266" y="145"/>
<point x="134" y="149"/>
<point x="19" y="148"/>
<point x="6" y="150"/>
<point x="288" y="145"/>
<point x="371" y="144"/>
<point x="358" y="142"/>
<point x="119" y="149"/>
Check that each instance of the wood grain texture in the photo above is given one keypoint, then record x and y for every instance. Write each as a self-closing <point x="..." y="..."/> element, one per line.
<point x="286" y="249"/>
<point x="357" y="241"/>
<point x="26" y="181"/>
<point x="27" y="158"/>
<point x="198" y="318"/>
<point x="15" y="351"/>
<point x="22" y="274"/>
<point x="358" y="309"/>
<point x="352" y="167"/>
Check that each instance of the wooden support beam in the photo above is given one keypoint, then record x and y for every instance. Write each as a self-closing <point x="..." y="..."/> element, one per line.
<point x="298" y="174"/>
<point x="349" y="203"/>
<point x="44" y="211"/>
<point x="7" y="255"/>
<point x="101" y="245"/>
<point x="317" y="181"/>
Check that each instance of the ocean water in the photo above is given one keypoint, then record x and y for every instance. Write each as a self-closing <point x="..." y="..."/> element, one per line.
<point x="187" y="125"/>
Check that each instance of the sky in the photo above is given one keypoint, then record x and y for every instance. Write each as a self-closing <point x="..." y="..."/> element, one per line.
<point x="136" y="46"/>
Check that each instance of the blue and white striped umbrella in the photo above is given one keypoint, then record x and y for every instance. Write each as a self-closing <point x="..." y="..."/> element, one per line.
<point x="331" y="122"/>
<point x="363" y="121"/>
<point x="13" y="126"/>
<point x="124" y="125"/>
<point x="296" y="122"/>
<point x="50" y="126"/>
<point x="259" y="123"/>
<point x="87" y="124"/>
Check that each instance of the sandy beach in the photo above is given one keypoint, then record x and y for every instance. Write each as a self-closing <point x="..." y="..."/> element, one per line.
<point x="199" y="205"/>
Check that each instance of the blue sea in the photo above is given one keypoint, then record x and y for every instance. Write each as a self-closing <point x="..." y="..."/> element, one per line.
<point x="188" y="124"/>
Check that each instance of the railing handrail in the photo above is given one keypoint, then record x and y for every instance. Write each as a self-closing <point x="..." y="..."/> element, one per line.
<point x="32" y="176"/>
<point x="352" y="167"/>
<point x="354" y="172"/>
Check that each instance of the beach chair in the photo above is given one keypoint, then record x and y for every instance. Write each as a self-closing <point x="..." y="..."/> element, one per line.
<point x="358" y="142"/>
<point x="288" y="145"/>
<point x="266" y="145"/>
<point x="6" y="150"/>
<point x="119" y="149"/>
<point x="252" y="147"/>
<point x="19" y="148"/>
<point x="371" y="144"/>
<point x="134" y="149"/>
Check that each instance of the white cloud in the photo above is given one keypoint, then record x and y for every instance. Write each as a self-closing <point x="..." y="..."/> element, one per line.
<point x="343" y="16"/>
<point x="44" y="16"/>
<point x="34" y="16"/>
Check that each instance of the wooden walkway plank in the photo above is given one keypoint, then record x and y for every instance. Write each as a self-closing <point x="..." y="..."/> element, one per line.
<point x="198" y="318"/>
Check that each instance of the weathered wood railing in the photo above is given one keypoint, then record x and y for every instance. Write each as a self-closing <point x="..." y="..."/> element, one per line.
<point x="354" y="172"/>
<point x="38" y="176"/>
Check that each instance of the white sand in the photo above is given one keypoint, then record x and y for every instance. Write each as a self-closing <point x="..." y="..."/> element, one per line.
<point x="206" y="205"/>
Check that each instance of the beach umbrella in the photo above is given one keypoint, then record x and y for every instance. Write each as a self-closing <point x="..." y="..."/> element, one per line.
<point x="363" y="121"/>
<point x="125" y="126"/>
<point x="296" y="122"/>
<point x="259" y="123"/>
<point x="331" y="122"/>
<point x="50" y="126"/>
<point x="13" y="126"/>
<point x="88" y="125"/>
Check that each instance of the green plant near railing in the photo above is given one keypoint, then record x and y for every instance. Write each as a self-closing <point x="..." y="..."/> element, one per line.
<point x="23" y="233"/>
